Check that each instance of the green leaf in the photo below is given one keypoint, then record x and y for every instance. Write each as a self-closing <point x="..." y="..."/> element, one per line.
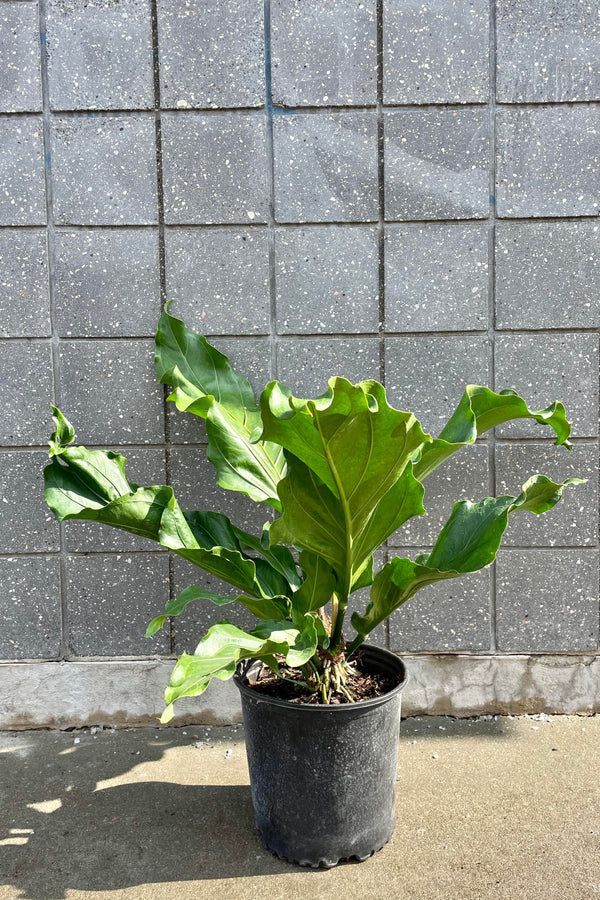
<point x="205" y="384"/>
<point x="262" y="608"/>
<point x="349" y="482"/>
<point x="479" y="410"/>
<point x="218" y="654"/>
<point x="155" y="625"/>
<point x="91" y="485"/>
<point x="64" y="433"/>
<point x="301" y="635"/>
<point x="350" y="437"/>
<point x="363" y="577"/>
<point x="278" y="557"/>
<point x="318" y="585"/>
<point x="214" y="530"/>
<point x="468" y="542"/>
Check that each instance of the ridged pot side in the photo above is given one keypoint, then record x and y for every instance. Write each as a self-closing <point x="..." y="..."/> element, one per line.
<point x="323" y="777"/>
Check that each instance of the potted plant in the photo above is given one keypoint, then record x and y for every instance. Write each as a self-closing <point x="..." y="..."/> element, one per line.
<point x="343" y="472"/>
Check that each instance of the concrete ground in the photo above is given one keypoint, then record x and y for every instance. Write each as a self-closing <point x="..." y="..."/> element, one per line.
<point x="487" y="808"/>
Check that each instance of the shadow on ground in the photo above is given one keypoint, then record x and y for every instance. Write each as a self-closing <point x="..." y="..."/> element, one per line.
<point x="62" y="828"/>
<point x="107" y="812"/>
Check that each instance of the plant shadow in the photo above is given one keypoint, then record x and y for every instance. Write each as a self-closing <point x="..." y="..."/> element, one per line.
<point x="62" y="829"/>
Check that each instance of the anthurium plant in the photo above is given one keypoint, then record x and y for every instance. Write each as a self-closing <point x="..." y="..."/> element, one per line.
<point x="342" y="472"/>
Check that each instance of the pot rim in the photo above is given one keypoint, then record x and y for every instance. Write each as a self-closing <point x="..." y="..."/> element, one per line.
<point x="242" y="685"/>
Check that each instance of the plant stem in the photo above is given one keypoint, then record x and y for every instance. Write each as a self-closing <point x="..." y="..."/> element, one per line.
<point x="308" y="672"/>
<point x="335" y="608"/>
<point x="336" y="630"/>
<point x="314" y="669"/>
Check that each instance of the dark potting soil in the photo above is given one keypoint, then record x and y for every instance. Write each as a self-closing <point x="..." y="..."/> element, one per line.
<point x="364" y="685"/>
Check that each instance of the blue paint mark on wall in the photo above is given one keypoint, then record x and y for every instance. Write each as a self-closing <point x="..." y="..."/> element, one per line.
<point x="43" y="38"/>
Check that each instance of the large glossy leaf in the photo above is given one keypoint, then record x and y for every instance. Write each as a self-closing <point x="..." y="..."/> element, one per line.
<point x="205" y="384"/>
<point x="301" y="634"/>
<point x="349" y="482"/>
<point x="218" y="654"/>
<point x="479" y="410"/>
<point x="468" y="542"/>
<point x="279" y="557"/>
<point x="351" y="438"/>
<point x="267" y="608"/>
<point x="91" y="485"/>
<point x="318" y="585"/>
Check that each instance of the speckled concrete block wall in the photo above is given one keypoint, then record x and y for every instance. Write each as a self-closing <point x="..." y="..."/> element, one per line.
<point x="370" y="188"/>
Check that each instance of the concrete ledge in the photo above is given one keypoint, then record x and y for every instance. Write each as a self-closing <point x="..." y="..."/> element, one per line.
<point x="122" y="692"/>
<point x="501" y="685"/>
<point x="129" y="693"/>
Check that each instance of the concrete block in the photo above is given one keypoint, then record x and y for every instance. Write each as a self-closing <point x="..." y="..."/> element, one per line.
<point x="547" y="56"/>
<point x="104" y="170"/>
<point x="145" y="466"/>
<point x="547" y="600"/>
<point x="428" y="375"/>
<point x="339" y="150"/>
<point x="435" y="52"/>
<point x="547" y="275"/>
<point x="574" y="521"/>
<point x="436" y="277"/>
<point x="324" y="55"/>
<point x="327" y="279"/>
<point x="100" y="55"/>
<point x="449" y="615"/>
<point x="20" y="77"/>
<point x="214" y="296"/>
<point x="106" y="282"/>
<point x="465" y="476"/>
<point x="306" y="366"/>
<point x="26" y="373"/>
<point x="26" y="524"/>
<point x="436" y="164"/>
<point x="194" y="480"/>
<point x="211" y="55"/>
<point x="23" y="195"/>
<point x="110" y="392"/>
<point x="214" y="168"/>
<point x="24" y="295"/>
<point x="251" y="357"/>
<point x="543" y="368"/>
<point x="111" y="600"/>
<point x="191" y="626"/>
<point x="547" y="161"/>
<point x="30" y="607"/>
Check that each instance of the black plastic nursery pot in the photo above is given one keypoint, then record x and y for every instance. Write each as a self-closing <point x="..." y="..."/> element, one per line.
<point x="323" y="777"/>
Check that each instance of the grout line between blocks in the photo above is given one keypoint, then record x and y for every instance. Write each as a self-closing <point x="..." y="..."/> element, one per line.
<point x="270" y="162"/>
<point x="162" y="269"/>
<point x="381" y="231"/>
<point x="54" y="339"/>
<point x="319" y="336"/>
<point x="492" y="296"/>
